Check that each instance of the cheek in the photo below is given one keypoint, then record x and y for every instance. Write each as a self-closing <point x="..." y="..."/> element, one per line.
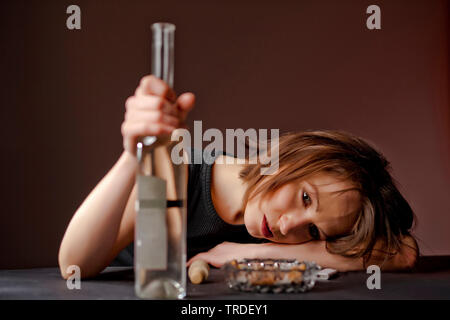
<point x="251" y="217"/>
<point x="298" y="237"/>
<point x="285" y="197"/>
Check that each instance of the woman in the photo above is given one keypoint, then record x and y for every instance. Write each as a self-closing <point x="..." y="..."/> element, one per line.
<point x="332" y="200"/>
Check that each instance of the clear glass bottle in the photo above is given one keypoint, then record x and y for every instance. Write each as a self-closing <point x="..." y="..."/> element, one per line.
<point x="160" y="233"/>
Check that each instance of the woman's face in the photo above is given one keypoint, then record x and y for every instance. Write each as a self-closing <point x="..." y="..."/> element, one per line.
<point x="312" y="209"/>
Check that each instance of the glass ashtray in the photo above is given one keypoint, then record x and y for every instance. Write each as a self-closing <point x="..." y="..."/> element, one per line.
<point x="267" y="275"/>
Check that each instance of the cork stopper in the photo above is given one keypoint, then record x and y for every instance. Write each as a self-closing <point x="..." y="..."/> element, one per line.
<point x="198" y="271"/>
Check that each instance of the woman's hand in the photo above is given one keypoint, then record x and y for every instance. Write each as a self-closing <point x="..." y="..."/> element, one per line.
<point x="153" y="110"/>
<point x="226" y="251"/>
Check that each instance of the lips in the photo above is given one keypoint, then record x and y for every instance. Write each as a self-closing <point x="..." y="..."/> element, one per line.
<point x="265" y="228"/>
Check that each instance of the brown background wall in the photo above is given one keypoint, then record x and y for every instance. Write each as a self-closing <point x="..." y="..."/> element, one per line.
<point x="291" y="65"/>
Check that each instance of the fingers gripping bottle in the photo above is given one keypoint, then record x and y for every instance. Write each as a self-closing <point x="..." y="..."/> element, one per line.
<point x="160" y="231"/>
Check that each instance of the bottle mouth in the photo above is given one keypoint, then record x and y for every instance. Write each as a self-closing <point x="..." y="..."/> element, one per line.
<point x="163" y="26"/>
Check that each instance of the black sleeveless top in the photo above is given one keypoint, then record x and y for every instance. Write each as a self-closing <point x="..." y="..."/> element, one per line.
<point x="205" y="229"/>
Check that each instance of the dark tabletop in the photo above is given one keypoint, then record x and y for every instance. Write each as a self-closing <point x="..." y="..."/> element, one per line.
<point x="429" y="280"/>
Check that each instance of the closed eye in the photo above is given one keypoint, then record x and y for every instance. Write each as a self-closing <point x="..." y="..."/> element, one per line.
<point x="314" y="232"/>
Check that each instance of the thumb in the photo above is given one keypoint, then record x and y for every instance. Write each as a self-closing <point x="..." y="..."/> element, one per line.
<point x="185" y="103"/>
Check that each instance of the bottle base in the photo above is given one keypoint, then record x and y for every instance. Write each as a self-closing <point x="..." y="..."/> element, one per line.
<point x="161" y="289"/>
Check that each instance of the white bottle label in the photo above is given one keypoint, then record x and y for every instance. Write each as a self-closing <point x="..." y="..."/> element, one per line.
<point x="151" y="224"/>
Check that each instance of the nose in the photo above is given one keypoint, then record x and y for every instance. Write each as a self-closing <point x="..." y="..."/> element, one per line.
<point x="292" y="221"/>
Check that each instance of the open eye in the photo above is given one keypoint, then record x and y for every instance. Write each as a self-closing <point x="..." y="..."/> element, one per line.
<point x="314" y="232"/>
<point x="306" y="199"/>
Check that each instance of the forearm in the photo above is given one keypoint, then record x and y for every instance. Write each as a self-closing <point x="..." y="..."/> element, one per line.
<point x="316" y="251"/>
<point x="93" y="230"/>
<point x="309" y="251"/>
